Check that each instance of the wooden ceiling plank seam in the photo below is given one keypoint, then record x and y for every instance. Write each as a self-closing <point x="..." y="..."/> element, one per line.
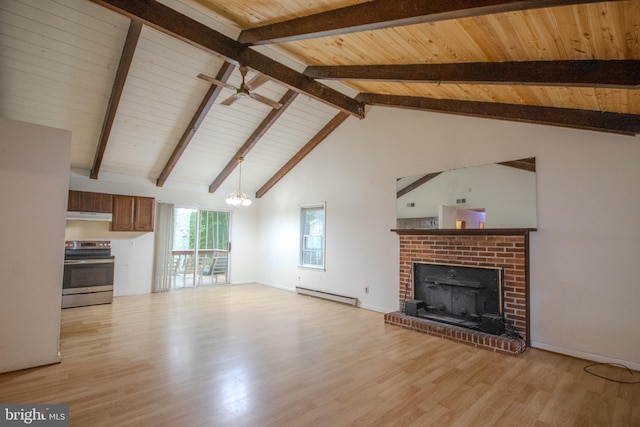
<point x="58" y="20"/>
<point x="460" y="42"/>
<point x="207" y="102"/>
<point x="266" y="124"/>
<point x="128" y="51"/>
<point x="382" y="14"/>
<point x="333" y="124"/>
<point x="88" y="63"/>
<point x="624" y="124"/>
<point x="630" y="19"/>
<point x="51" y="98"/>
<point x="518" y="94"/>
<point x="154" y="56"/>
<point x="481" y="34"/>
<point x="538" y="32"/>
<point x="173" y="23"/>
<point x="610" y="33"/>
<point x="411" y="43"/>
<point x="587" y="73"/>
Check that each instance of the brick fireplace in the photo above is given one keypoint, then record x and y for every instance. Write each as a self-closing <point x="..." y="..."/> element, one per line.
<point x="507" y="249"/>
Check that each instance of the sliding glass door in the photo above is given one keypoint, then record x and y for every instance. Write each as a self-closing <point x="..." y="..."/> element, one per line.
<point x="200" y="247"/>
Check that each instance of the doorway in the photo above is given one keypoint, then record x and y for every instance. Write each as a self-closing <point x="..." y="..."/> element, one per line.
<point x="200" y="253"/>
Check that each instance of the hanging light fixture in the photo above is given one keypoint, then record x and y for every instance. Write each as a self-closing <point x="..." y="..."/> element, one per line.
<point x="239" y="198"/>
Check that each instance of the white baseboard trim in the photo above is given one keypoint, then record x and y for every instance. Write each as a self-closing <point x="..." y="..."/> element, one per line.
<point x="375" y="308"/>
<point x="584" y="355"/>
<point x="360" y="304"/>
<point x="32" y="363"/>
<point x="329" y="296"/>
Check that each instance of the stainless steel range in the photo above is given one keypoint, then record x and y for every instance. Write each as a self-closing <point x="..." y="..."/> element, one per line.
<point x="88" y="273"/>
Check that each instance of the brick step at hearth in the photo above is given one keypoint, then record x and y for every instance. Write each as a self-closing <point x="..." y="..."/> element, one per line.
<point x="496" y="343"/>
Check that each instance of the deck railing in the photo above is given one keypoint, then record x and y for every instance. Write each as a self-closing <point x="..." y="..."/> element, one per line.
<point x="187" y="270"/>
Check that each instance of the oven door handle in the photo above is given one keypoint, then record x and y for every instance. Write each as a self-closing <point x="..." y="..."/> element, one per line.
<point x="89" y="261"/>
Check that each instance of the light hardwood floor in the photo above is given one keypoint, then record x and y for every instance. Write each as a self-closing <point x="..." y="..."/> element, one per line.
<point x="251" y="355"/>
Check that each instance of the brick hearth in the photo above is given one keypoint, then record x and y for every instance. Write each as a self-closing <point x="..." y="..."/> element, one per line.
<point x="505" y="248"/>
<point x="498" y="344"/>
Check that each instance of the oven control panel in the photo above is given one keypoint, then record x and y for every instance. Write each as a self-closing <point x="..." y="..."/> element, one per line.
<point x="87" y="244"/>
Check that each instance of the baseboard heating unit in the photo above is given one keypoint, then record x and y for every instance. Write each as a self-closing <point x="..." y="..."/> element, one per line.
<point x="328" y="296"/>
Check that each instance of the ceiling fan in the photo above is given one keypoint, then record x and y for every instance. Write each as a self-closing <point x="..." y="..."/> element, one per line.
<point x="244" y="91"/>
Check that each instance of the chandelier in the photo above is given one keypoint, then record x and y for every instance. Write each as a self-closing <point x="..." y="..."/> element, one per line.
<point x="239" y="198"/>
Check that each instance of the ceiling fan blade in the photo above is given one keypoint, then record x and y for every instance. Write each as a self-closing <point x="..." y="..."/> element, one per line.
<point x="257" y="80"/>
<point x="230" y="100"/>
<point x="265" y="100"/>
<point x="216" y="81"/>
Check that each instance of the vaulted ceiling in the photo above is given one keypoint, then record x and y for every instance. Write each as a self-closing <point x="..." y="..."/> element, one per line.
<point x="147" y="86"/>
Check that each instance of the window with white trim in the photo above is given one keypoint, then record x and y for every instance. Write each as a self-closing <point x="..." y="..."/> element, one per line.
<point x="312" y="237"/>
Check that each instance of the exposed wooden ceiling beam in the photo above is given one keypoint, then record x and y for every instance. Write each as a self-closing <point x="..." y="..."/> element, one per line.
<point x="528" y="165"/>
<point x="423" y="180"/>
<point x="308" y="147"/>
<point x="375" y="15"/>
<point x="129" y="49"/>
<point x="625" y="124"/>
<point x="266" y="124"/>
<point x="591" y="73"/>
<point x="207" y="102"/>
<point x="181" y="27"/>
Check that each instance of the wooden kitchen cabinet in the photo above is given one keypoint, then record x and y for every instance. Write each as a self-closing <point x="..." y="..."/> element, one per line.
<point x="122" y="213"/>
<point x="143" y="208"/>
<point x="85" y="201"/>
<point x="132" y="213"/>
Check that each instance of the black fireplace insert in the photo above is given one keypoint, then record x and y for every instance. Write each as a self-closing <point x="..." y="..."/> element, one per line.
<point x="469" y="297"/>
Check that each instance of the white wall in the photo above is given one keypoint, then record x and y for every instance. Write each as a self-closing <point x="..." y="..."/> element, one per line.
<point x="34" y="172"/>
<point x="134" y="252"/>
<point x="584" y="285"/>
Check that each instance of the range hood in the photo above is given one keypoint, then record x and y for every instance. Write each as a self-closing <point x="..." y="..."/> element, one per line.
<point x="88" y="216"/>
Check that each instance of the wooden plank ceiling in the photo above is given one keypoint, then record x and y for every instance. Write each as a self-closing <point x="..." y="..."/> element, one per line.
<point x="144" y="111"/>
